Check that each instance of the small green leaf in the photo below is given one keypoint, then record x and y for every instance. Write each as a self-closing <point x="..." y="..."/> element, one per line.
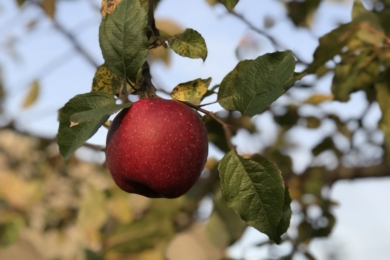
<point x="189" y="44"/>
<point x="230" y="4"/>
<point x="71" y="138"/>
<point x="254" y="189"/>
<point x="123" y="40"/>
<point x="97" y="113"/>
<point x="32" y="95"/>
<point x="257" y="83"/>
<point x="106" y="81"/>
<point x="191" y="91"/>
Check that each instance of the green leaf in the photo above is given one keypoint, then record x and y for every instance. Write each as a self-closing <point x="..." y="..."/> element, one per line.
<point x="191" y="91"/>
<point x="106" y="81"/>
<point x="230" y="4"/>
<point x="71" y="138"/>
<point x="122" y="37"/>
<point x="32" y="95"/>
<point x="331" y="44"/>
<point x="360" y="74"/>
<point x="226" y="89"/>
<point x="254" y="189"/>
<point x="189" y="44"/>
<point x="257" y="83"/>
<point x="97" y="113"/>
<point x="382" y="88"/>
<point x="91" y="255"/>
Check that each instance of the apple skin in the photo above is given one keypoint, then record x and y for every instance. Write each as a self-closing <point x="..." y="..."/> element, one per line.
<point x="156" y="148"/>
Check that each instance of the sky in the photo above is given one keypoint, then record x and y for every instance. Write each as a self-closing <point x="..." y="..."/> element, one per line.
<point x="362" y="227"/>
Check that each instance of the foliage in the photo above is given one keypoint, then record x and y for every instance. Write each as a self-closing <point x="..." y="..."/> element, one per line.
<point x="44" y="198"/>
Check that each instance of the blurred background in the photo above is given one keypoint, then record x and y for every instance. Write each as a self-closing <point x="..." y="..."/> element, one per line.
<point x="330" y="153"/>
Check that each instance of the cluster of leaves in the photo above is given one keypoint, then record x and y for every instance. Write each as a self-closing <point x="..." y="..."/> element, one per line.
<point x="355" y="54"/>
<point x="126" y="33"/>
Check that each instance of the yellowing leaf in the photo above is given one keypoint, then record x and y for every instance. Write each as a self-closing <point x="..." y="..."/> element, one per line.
<point x="49" y="6"/>
<point x="168" y="27"/>
<point x="32" y="95"/>
<point x="17" y="192"/>
<point x="106" y="81"/>
<point x="191" y="91"/>
<point x="119" y="207"/>
<point x="108" y="6"/>
<point x="93" y="213"/>
<point x="319" y="98"/>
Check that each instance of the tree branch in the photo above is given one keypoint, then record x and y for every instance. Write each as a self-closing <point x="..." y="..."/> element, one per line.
<point x="265" y="34"/>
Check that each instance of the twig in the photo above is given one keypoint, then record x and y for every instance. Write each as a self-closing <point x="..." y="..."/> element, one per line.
<point x="72" y="39"/>
<point x="226" y="127"/>
<point x="207" y="104"/>
<point x="265" y="34"/>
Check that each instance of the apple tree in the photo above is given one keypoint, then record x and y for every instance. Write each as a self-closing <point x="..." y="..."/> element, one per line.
<point x="100" y="221"/>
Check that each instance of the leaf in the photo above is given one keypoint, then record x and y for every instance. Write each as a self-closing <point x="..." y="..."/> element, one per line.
<point x="106" y="81"/>
<point x="224" y="226"/>
<point x="122" y="38"/>
<point x="91" y="255"/>
<point x="20" y="2"/>
<point x="317" y="99"/>
<point x="97" y="113"/>
<point x="301" y="12"/>
<point x="257" y="83"/>
<point x="254" y="189"/>
<point x="32" y="95"/>
<point x="189" y="44"/>
<point x="226" y="90"/>
<point x="191" y="91"/>
<point x="71" y="138"/>
<point x="286" y="214"/>
<point x="93" y="212"/>
<point x="331" y="44"/>
<point x="229" y="4"/>
<point x="382" y="88"/>
<point x="108" y="7"/>
<point x="49" y="7"/>
<point x="357" y="75"/>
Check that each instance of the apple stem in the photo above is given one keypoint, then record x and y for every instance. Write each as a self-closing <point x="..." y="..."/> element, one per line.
<point x="226" y="127"/>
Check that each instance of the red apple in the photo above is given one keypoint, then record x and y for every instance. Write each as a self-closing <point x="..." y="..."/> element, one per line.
<point x="156" y="148"/>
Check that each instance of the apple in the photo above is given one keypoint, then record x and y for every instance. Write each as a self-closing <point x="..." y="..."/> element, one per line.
<point x="156" y="148"/>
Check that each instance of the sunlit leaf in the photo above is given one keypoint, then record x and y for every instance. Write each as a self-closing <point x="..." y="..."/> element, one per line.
<point x="122" y="37"/>
<point x="351" y="77"/>
<point x="32" y="95"/>
<point x="189" y="44"/>
<point x="49" y="6"/>
<point x="191" y="91"/>
<point x="106" y="81"/>
<point x="316" y="99"/>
